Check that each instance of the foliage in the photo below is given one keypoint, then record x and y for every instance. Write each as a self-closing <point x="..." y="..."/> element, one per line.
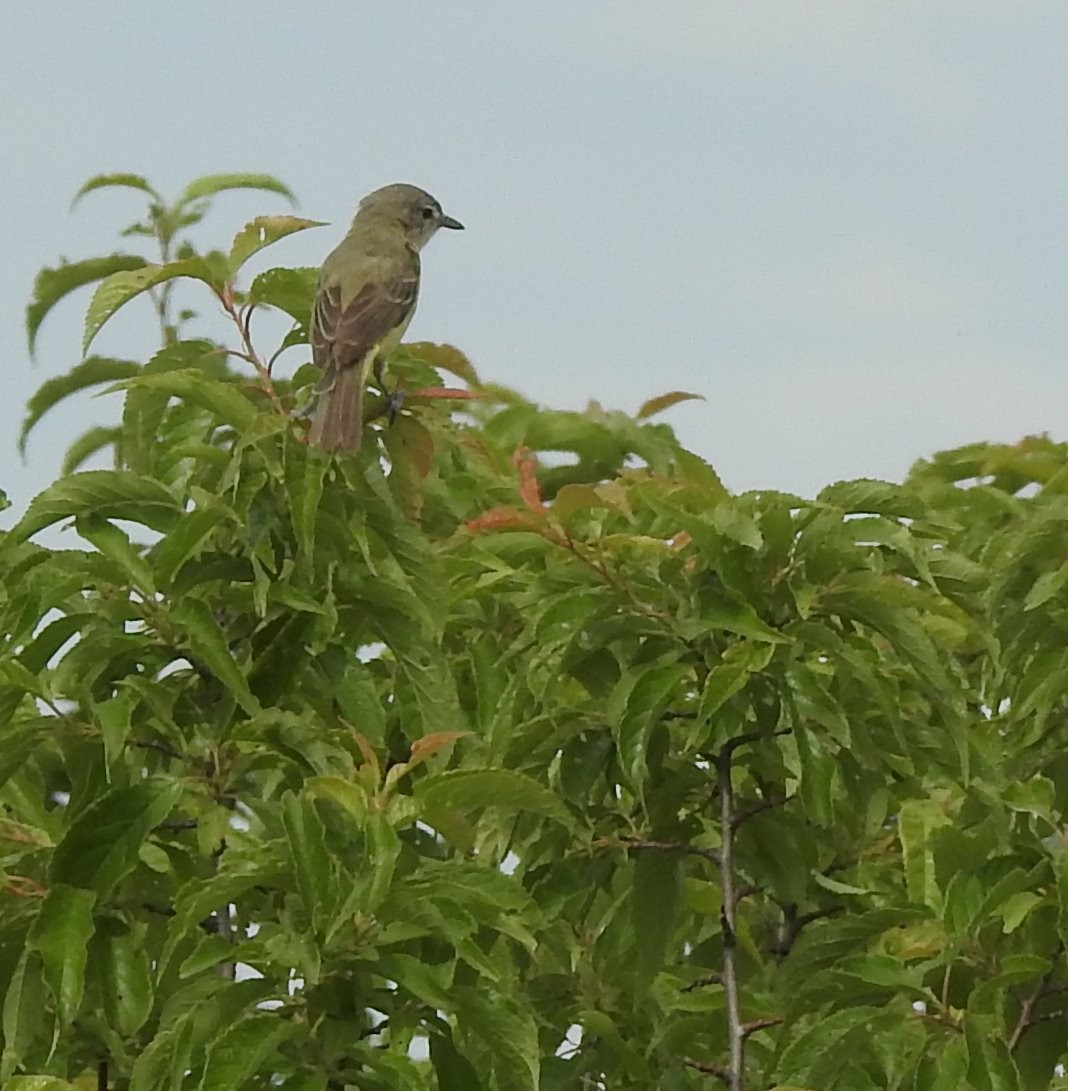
<point x="454" y="765"/>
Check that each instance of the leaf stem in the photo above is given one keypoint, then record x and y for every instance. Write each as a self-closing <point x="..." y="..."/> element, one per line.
<point x="241" y="318"/>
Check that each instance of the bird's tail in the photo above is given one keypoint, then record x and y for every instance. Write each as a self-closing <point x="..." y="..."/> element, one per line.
<point x="337" y="424"/>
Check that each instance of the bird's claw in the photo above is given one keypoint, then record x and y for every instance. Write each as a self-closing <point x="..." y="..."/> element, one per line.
<point x="394" y="404"/>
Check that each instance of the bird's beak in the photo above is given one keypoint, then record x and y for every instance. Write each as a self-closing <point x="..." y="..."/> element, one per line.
<point x="448" y="221"/>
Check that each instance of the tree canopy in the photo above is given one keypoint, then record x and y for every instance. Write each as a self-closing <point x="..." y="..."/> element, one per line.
<point x="515" y="753"/>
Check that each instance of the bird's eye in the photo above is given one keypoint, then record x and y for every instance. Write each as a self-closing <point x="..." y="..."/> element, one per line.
<point x="429" y="212"/>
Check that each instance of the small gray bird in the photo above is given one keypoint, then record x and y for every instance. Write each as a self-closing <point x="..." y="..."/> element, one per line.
<point x="366" y="297"/>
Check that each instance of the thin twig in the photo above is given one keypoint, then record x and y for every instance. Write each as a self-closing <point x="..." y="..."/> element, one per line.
<point x="701" y="982"/>
<point x="735" y="1028"/>
<point x="669" y="846"/>
<point x="759" y="808"/>
<point x="241" y="320"/>
<point x="596" y="561"/>
<point x="793" y="922"/>
<point x="149" y="744"/>
<point x="761" y="1024"/>
<point x="1027" y="1017"/>
<point x="710" y="1069"/>
<point x="1047" y="1016"/>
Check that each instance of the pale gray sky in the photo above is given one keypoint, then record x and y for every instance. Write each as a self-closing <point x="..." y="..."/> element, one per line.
<point x="843" y="222"/>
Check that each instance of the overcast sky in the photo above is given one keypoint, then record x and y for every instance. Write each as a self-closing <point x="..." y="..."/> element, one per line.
<point x="844" y="223"/>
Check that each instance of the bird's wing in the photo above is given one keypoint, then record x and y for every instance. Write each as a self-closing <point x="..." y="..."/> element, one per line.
<point x="341" y="336"/>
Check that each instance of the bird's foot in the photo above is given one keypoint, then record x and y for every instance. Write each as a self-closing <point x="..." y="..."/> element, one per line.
<point x="394" y="404"/>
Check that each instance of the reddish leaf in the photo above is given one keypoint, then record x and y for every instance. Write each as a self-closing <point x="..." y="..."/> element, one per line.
<point x="451" y="393"/>
<point x="500" y="518"/>
<point x="528" y="482"/>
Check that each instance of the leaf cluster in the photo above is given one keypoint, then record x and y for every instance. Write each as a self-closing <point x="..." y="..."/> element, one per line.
<point x="517" y="752"/>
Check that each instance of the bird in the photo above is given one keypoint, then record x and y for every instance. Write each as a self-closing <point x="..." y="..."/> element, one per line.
<point x="366" y="295"/>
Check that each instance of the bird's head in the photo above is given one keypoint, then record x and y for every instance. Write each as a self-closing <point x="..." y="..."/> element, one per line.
<point x="418" y="214"/>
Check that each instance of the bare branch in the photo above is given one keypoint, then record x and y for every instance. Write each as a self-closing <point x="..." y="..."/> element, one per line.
<point x="640" y="843"/>
<point x="735" y="1028"/>
<point x="761" y="1024"/>
<point x="711" y="1069"/>
<point x="759" y="808"/>
<point x="701" y="982"/>
<point x="1027" y="1017"/>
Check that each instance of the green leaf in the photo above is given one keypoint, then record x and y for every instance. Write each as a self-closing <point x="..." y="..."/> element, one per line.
<point x="655" y="900"/>
<point x="116" y="546"/>
<point x="127" y="982"/>
<point x="383" y="849"/>
<point x="24" y="1008"/>
<point x="741" y="660"/>
<point x="242" y="1050"/>
<point x="211" y="184"/>
<point x="38" y="1083"/>
<point x="468" y="789"/>
<point x="454" y="1072"/>
<point x="734" y="523"/>
<point x="1016" y="909"/>
<point x="1046" y="587"/>
<point x="198" y="899"/>
<point x="61" y="933"/>
<point x="577" y="499"/>
<point x="305" y="473"/>
<point x="262" y="232"/>
<point x="430" y="984"/>
<point x="835" y="886"/>
<point x="187" y="539"/>
<point x="1059" y="857"/>
<point x="445" y="358"/>
<point x="52" y="285"/>
<point x="104" y="181"/>
<point x="876" y="497"/>
<point x="114" y="494"/>
<point x="94" y="370"/>
<point x="636" y="705"/>
<point x="208" y="645"/>
<point x="86" y="445"/>
<point x="828" y="1038"/>
<point x="991" y="1065"/>
<point x="224" y="399"/>
<point x="740" y="619"/>
<point x="101" y="845"/>
<point x="290" y="290"/>
<point x="120" y="288"/>
<point x="144" y="408"/>
<point x="915" y="823"/>
<point x="661" y="402"/>
<point x="508" y="1033"/>
<point x="309" y="860"/>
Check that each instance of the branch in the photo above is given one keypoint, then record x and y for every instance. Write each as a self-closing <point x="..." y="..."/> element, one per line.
<point x="761" y="1024"/>
<point x="701" y="982"/>
<point x="793" y="922"/>
<point x="162" y="748"/>
<point x="667" y="846"/>
<point x="1027" y="1018"/>
<point x="735" y="1029"/>
<point x="710" y="1069"/>
<point x="759" y="808"/>
<point x="241" y="319"/>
